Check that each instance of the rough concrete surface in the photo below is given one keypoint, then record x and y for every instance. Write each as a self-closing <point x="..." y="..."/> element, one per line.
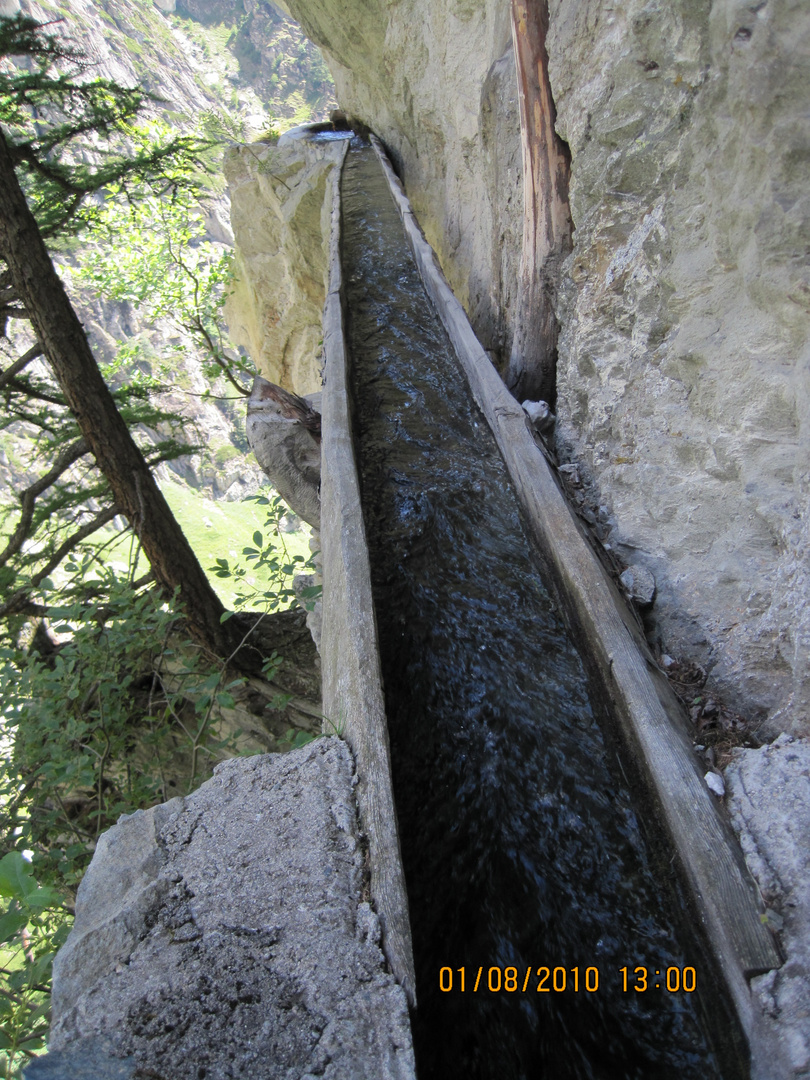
<point x="226" y="935"/>
<point x="769" y="801"/>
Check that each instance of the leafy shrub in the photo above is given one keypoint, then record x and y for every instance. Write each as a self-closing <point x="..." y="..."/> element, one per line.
<point x="32" y="928"/>
<point x="121" y="715"/>
<point x="269" y="556"/>
<point x="116" y="718"/>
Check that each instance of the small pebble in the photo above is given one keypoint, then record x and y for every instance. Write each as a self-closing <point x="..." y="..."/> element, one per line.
<point x="715" y="783"/>
<point x="639" y="584"/>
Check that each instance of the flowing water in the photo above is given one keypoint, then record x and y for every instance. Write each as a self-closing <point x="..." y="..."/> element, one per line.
<point x="521" y="846"/>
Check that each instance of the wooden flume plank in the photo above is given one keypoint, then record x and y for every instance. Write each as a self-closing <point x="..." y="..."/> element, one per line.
<point x="353" y="701"/>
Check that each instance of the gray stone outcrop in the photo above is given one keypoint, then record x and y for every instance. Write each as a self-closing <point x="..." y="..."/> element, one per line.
<point x="685" y="320"/>
<point x="290" y="456"/>
<point x="227" y="934"/>
<point x="768" y="794"/>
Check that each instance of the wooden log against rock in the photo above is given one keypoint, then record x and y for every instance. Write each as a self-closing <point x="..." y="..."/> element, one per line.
<point x="547" y="229"/>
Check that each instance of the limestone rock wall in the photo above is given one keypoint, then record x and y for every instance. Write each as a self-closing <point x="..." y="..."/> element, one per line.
<point x="280" y="216"/>
<point x="684" y="353"/>
<point x="769" y="804"/>
<point x="682" y="382"/>
<point x="436" y="82"/>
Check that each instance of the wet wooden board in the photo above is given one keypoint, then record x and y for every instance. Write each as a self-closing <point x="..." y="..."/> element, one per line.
<point x="353" y="701"/>
<point x="653" y="725"/>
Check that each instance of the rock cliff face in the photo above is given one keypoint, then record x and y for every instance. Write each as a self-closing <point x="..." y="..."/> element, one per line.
<point x="685" y="305"/>
<point x="684" y="354"/>
<point x="280" y="211"/>
<point x="437" y="83"/>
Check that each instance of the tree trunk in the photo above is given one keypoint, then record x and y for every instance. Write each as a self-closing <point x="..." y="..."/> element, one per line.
<point x="531" y="372"/>
<point x="68" y="352"/>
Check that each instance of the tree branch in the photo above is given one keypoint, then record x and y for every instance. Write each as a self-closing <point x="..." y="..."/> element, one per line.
<point x="10" y="372"/>
<point x="28" y="498"/>
<point x="32" y="392"/>
<point x="17" y="604"/>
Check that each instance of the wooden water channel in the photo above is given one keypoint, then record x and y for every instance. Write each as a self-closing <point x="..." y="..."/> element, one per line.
<point x="723" y="900"/>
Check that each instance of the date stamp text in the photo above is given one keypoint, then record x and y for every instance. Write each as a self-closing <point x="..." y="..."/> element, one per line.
<point x="559" y="980"/>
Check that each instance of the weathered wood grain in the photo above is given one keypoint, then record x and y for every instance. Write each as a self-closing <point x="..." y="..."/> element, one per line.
<point x="531" y="372"/>
<point x="353" y="701"/>
<point x="725" y="896"/>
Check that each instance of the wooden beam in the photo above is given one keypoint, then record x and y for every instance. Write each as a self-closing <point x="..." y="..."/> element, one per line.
<point x="531" y="372"/>
<point x="353" y="701"/>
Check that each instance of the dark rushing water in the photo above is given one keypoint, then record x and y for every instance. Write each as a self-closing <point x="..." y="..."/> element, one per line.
<point x="520" y="847"/>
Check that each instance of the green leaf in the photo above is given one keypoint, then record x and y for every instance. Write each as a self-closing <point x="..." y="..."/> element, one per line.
<point x="43" y="898"/>
<point x="61" y="935"/>
<point x="310" y="592"/>
<point x="279" y="701"/>
<point x="41" y="968"/>
<point x="11" y="923"/>
<point x="258" y="539"/>
<point x="300" y="738"/>
<point x="35" y="1042"/>
<point x="16" y="880"/>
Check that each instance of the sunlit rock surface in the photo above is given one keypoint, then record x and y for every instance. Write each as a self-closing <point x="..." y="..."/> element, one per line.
<point x="683" y="376"/>
<point x="437" y="83"/>
<point x="289" y="454"/>
<point x="769" y="802"/>
<point x="280" y="216"/>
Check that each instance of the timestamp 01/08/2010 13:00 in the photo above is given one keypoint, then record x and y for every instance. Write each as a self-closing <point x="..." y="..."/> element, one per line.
<point x="557" y="980"/>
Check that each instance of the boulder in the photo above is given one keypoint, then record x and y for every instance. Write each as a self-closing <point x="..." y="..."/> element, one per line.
<point x="227" y="934"/>
<point x="284" y="433"/>
<point x="639" y="584"/>
<point x="769" y="802"/>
